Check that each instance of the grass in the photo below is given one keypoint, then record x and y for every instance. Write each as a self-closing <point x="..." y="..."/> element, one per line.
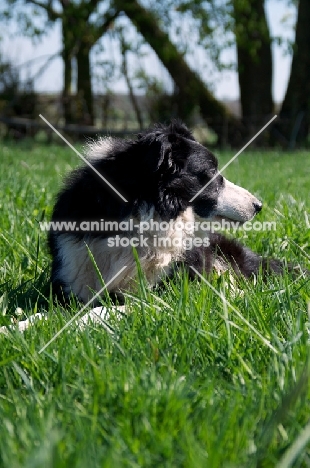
<point x="185" y="380"/>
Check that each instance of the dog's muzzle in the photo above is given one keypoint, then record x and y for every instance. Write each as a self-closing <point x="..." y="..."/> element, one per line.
<point x="236" y="203"/>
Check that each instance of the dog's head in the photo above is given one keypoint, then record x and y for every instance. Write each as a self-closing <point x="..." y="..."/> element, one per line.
<point x="187" y="174"/>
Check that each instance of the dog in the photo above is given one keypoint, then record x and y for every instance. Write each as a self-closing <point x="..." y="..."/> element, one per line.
<point x="172" y="186"/>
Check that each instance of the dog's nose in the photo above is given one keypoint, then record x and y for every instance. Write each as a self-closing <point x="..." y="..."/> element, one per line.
<point x="258" y="206"/>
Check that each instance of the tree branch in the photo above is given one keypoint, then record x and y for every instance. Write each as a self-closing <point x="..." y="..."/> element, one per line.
<point x="90" y="6"/>
<point x="192" y="89"/>
<point x="100" y="29"/>
<point x="52" y="14"/>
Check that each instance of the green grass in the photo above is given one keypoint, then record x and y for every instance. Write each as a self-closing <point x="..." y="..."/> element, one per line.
<point x="185" y="380"/>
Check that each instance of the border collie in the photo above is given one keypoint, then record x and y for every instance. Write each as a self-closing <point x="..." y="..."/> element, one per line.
<point x="172" y="186"/>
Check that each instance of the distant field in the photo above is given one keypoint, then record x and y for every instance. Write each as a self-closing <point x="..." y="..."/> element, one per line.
<point x="185" y="380"/>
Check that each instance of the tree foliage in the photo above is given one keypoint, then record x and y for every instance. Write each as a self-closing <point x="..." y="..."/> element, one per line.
<point x="179" y="31"/>
<point x="82" y="25"/>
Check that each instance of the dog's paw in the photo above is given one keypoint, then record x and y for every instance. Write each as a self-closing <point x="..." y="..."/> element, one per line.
<point x="101" y="316"/>
<point x="22" y="325"/>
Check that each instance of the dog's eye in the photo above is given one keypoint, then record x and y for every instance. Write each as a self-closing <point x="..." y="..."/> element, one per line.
<point x="213" y="172"/>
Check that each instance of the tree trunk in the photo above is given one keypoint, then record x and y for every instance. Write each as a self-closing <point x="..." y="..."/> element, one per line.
<point x="254" y="64"/>
<point x="67" y="64"/>
<point x="86" y="35"/>
<point x="133" y="99"/>
<point x="191" y="90"/>
<point x="84" y="98"/>
<point x="294" y="121"/>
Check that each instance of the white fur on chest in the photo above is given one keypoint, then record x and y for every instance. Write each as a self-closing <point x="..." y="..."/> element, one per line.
<point x="163" y="246"/>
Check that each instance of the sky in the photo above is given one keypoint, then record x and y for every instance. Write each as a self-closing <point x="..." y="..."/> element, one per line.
<point x="224" y="85"/>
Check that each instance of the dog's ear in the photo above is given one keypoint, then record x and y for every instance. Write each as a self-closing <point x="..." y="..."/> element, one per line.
<point x="165" y="151"/>
<point x="155" y="149"/>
